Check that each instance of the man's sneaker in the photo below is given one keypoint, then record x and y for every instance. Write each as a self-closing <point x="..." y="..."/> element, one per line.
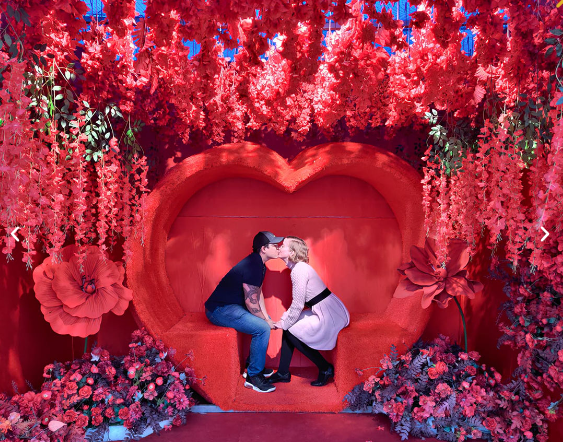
<point x="267" y="372"/>
<point x="259" y="383"/>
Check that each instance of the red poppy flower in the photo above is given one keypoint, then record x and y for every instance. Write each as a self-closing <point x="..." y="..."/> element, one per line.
<point x="72" y="301"/>
<point x="425" y="276"/>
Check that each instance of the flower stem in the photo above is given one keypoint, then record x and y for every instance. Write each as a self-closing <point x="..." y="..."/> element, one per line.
<point x="463" y="320"/>
<point x="86" y="344"/>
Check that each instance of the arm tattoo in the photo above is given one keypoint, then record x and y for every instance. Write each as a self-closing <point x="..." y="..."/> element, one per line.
<point x="252" y="297"/>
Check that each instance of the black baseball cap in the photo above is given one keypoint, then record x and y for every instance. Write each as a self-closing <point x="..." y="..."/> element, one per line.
<point x="264" y="238"/>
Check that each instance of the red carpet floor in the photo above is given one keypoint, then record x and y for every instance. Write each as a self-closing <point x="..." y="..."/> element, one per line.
<point x="282" y="427"/>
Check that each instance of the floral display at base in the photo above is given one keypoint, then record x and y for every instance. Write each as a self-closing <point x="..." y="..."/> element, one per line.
<point x="437" y="390"/>
<point x="138" y="394"/>
<point x="120" y="432"/>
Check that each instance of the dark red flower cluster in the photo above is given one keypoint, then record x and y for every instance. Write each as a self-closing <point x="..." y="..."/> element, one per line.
<point x="437" y="390"/>
<point x="99" y="390"/>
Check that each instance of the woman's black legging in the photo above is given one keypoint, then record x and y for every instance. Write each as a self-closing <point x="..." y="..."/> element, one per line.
<point x="289" y="343"/>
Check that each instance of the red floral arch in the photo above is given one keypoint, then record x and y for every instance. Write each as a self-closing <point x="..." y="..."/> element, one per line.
<point x="155" y="303"/>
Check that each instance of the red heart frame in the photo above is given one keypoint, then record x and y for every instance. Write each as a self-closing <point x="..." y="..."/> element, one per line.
<point x="155" y="304"/>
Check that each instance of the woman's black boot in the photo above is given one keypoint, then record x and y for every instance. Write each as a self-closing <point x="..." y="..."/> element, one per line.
<point x="278" y="377"/>
<point x="324" y="376"/>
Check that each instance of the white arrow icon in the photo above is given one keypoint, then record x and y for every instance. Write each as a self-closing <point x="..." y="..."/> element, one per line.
<point x="546" y="234"/>
<point x="14" y="234"/>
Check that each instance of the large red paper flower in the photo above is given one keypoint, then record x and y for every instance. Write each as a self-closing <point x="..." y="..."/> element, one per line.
<point x="425" y="276"/>
<point x="72" y="301"/>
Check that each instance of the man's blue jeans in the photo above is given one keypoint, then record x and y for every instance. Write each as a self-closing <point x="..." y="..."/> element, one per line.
<point x="237" y="317"/>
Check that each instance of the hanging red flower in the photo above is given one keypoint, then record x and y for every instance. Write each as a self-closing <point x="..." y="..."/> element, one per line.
<point x="425" y="276"/>
<point x="73" y="301"/>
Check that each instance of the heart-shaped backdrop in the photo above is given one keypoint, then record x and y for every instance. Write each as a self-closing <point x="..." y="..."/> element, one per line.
<point x="358" y="207"/>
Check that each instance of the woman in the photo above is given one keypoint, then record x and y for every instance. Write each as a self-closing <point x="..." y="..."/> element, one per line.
<point x="308" y="330"/>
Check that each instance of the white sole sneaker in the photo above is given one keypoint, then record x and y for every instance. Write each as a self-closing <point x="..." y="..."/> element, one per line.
<point x="244" y="375"/>
<point x="249" y="385"/>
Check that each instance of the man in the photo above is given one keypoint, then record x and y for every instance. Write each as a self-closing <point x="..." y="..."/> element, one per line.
<point x="238" y="302"/>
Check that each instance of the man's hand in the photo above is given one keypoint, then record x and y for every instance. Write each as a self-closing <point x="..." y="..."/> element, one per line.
<point x="271" y="324"/>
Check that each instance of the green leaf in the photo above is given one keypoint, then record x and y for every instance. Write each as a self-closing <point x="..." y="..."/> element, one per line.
<point x="559" y="102"/>
<point x="25" y="17"/>
<point x="67" y="75"/>
<point x="10" y="11"/>
<point x="8" y="39"/>
<point x="556" y="31"/>
<point x="58" y="97"/>
<point x="549" y="51"/>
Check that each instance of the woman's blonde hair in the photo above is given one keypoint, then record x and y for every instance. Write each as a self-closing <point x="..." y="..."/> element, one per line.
<point x="299" y="247"/>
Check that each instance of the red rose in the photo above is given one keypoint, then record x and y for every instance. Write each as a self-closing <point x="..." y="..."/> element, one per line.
<point x="177" y="421"/>
<point x="70" y="416"/>
<point x="124" y="413"/>
<point x="85" y="392"/>
<point x="109" y="413"/>
<point x="441" y="367"/>
<point x="71" y="388"/>
<point x="82" y="421"/>
<point x="433" y="373"/>
<point x="97" y="420"/>
<point x="490" y="423"/>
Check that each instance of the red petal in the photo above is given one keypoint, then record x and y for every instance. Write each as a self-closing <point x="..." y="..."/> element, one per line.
<point x="458" y="256"/>
<point x="43" y="288"/>
<point x="66" y="284"/>
<point x="430" y="248"/>
<point x="420" y="278"/>
<point x="65" y="324"/>
<point x="125" y="295"/>
<point x="406" y="289"/>
<point x="107" y="273"/>
<point x="430" y="293"/>
<point x="458" y="286"/>
<point x="404" y="267"/>
<point x="421" y="260"/>
<point x="443" y="299"/>
<point x="96" y="304"/>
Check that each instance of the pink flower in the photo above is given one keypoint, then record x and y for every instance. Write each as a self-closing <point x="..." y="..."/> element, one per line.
<point x="443" y="390"/>
<point x="73" y="301"/>
<point x="150" y="394"/>
<point x="425" y="276"/>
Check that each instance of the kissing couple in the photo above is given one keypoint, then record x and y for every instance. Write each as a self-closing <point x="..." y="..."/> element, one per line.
<point x="238" y="302"/>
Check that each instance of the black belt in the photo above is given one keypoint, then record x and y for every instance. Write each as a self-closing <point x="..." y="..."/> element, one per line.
<point x="324" y="294"/>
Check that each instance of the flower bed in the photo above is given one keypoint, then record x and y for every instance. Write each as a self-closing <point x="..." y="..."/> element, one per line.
<point x="137" y="391"/>
<point x="437" y="390"/>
